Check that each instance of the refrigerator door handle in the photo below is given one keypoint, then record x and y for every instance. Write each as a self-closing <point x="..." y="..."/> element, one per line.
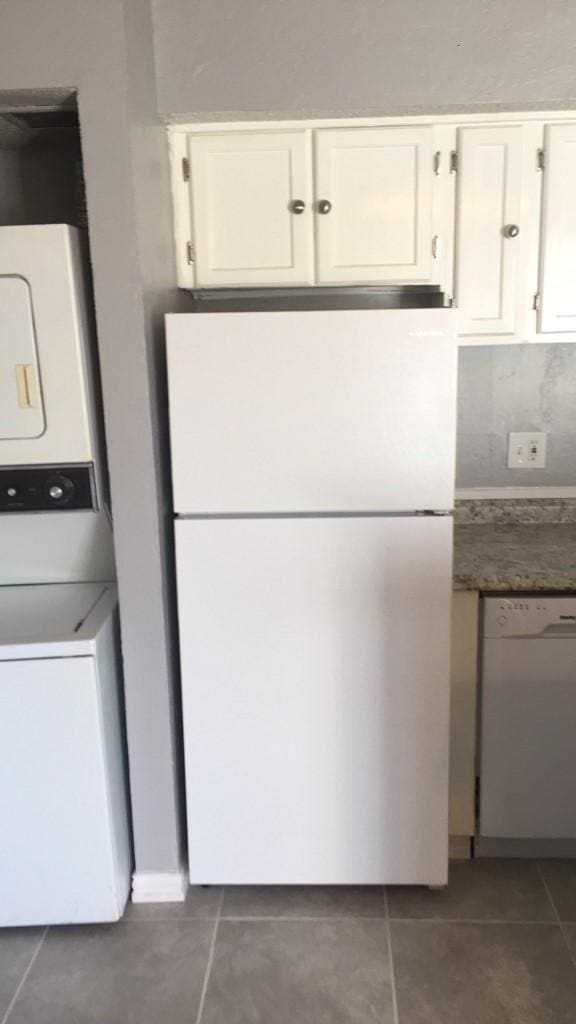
<point x="433" y="512"/>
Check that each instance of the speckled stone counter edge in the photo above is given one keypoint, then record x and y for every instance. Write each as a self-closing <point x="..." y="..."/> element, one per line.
<point x="514" y="511"/>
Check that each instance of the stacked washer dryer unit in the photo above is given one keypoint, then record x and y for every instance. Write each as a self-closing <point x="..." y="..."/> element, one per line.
<point x="65" y="845"/>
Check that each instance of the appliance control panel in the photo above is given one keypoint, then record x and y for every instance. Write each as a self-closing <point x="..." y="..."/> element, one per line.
<point x="46" y="488"/>
<point x="517" y="615"/>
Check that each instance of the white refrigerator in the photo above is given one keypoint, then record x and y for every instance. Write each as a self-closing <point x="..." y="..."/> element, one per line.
<point x="313" y="481"/>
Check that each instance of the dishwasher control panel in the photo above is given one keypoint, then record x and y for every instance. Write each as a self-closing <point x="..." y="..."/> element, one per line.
<point x="517" y="615"/>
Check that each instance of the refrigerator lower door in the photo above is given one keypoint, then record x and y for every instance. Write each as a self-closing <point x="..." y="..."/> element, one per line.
<point x="315" y="675"/>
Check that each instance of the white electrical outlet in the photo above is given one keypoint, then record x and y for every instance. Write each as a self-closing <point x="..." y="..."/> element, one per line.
<point x="526" y="450"/>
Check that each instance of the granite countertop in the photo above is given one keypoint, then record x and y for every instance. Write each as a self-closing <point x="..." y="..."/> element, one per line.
<point x="515" y="545"/>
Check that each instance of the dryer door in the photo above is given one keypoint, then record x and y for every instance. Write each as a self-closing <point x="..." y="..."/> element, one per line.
<point x="21" y="412"/>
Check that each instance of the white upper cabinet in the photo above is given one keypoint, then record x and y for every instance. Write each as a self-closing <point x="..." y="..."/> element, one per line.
<point x="483" y="207"/>
<point x="558" y="245"/>
<point x="251" y="208"/>
<point x="490" y="238"/>
<point x="373" y="205"/>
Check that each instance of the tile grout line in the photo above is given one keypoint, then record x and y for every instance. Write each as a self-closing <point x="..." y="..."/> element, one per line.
<point x="208" y="970"/>
<point x="473" y="920"/>
<point x="24" y="977"/>
<point x="301" y="917"/>
<point x="257" y="918"/>
<point x="391" y="961"/>
<point x="556" y="914"/>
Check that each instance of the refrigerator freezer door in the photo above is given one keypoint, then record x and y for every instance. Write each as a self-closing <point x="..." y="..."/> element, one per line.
<point x="315" y="697"/>
<point x="340" y="410"/>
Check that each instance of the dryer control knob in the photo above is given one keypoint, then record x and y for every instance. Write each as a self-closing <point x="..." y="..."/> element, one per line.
<point x="59" y="489"/>
<point x="502" y="620"/>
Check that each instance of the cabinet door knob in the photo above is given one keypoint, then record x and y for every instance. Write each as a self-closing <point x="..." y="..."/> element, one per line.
<point x="324" y="206"/>
<point x="511" y="231"/>
<point x="298" y="206"/>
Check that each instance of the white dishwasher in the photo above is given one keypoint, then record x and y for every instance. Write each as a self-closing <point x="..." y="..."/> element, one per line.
<point x="528" y="718"/>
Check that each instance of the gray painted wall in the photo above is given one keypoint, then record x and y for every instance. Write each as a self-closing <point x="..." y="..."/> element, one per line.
<point x="346" y="56"/>
<point x="516" y="387"/>
<point x="104" y="50"/>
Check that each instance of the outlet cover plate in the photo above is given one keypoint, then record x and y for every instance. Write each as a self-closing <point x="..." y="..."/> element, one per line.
<point x="527" y="449"/>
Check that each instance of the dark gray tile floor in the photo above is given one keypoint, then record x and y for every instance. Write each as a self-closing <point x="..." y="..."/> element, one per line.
<point x="560" y="878"/>
<point x="498" y="946"/>
<point x="303" y="901"/>
<point x="479" y="890"/>
<point x="128" y="973"/>
<point x="17" y="948"/>
<point x="448" y="973"/>
<point x="312" y="972"/>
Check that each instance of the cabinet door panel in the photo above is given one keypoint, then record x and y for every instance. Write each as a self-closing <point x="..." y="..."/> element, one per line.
<point x="489" y="198"/>
<point x="380" y="184"/>
<point x="245" y="230"/>
<point x="558" y="252"/>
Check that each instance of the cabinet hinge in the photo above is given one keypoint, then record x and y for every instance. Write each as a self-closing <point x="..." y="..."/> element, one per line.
<point x="185" y="168"/>
<point x="437" y="161"/>
<point x="540" y="159"/>
<point x="536" y="302"/>
<point x="453" y="162"/>
<point x="435" y="247"/>
<point x="189" y="252"/>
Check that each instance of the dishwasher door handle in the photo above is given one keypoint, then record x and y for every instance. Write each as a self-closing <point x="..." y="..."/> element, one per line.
<point x="559" y="629"/>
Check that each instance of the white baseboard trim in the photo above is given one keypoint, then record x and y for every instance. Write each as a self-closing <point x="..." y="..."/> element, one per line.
<point x="467" y="493"/>
<point x="159" y="887"/>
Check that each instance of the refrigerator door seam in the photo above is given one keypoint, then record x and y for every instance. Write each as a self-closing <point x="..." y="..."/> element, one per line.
<point x="408" y="513"/>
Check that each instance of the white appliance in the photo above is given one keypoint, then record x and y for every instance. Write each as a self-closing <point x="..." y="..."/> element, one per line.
<point x="64" y="844"/>
<point x="313" y="475"/>
<point x="65" y="850"/>
<point x="49" y="439"/>
<point x="528" y="718"/>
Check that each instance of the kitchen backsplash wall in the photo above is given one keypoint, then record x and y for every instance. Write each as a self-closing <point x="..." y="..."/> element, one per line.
<point x="505" y="388"/>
